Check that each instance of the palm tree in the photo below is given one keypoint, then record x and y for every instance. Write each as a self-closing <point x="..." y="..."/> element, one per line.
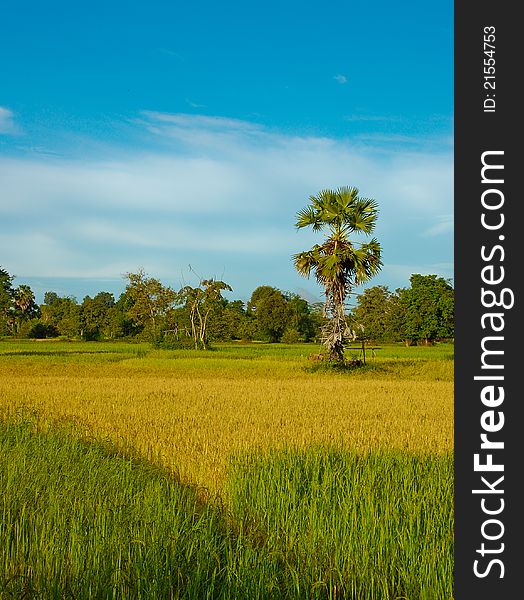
<point x="339" y="264"/>
<point x="24" y="299"/>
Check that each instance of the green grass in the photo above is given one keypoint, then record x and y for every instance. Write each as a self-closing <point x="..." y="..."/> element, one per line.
<point x="378" y="526"/>
<point x="80" y="520"/>
<point x="385" y="361"/>
<point x="235" y="350"/>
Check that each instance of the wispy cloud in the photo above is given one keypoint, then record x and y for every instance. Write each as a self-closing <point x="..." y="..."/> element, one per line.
<point x="402" y="272"/>
<point x="191" y="121"/>
<point x="340" y="79"/>
<point x="443" y="224"/>
<point x="217" y="193"/>
<point x="194" y="104"/>
<point x="382" y="140"/>
<point x="7" y="122"/>
<point x="372" y="118"/>
<point x="168" y="52"/>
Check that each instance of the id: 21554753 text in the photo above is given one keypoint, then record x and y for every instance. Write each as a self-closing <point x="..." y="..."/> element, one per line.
<point x="489" y="69"/>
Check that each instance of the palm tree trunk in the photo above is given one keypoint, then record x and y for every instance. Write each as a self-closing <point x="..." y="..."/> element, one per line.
<point x="334" y="332"/>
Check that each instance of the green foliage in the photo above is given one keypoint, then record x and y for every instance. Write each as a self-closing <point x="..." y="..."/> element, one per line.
<point x="149" y="311"/>
<point x="120" y="323"/>
<point x="25" y="304"/>
<point x="428" y="307"/>
<point x="338" y="262"/>
<point x="167" y="342"/>
<point x="227" y="321"/>
<point x="291" y="336"/>
<point x="301" y="318"/>
<point x="38" y="330"/>
<point x="62" y="314"/>
<point x="148" y="303"/>
<point x="201" y="304"/>
<point x="95" y="316"/>
<point x="375" y="312"/>
<point x="271" y="310"/>
<point x="6" y="302"/>
<point x="422" y="313"/>
<point x="17" y="306"/>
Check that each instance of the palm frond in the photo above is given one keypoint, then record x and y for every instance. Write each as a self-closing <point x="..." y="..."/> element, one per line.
<point x="305" y="217"/>
<point x="363" y="216"/>
<point x="305" y="262"/>
<point x="369" y="261"/>
<point x="346" y="196"/>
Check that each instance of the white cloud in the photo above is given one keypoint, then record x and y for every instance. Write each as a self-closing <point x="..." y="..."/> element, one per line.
<point x="341" y="79"/>
<point x="146" y="183"/>
<point x="216" y="192"/>
<point x="210" y="123"/>
<point x="372" y="118"/>
<point x="194" y="104"/>
<point x="7" y="123"/>
<point x="444" y="224"/>
<point x="170" y="53"/>
<point x="402" y="272"/>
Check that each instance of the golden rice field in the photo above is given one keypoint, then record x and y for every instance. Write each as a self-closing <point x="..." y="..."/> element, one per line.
<point x="189" y="412"/>
<point x="242" y="472"/>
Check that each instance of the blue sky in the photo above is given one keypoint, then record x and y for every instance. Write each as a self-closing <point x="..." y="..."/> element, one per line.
<point x="167" y="134"/>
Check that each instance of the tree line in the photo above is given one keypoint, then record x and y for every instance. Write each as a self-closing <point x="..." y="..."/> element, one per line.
<point x="194" y="317"/>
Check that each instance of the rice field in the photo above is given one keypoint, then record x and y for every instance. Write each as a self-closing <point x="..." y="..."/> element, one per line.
<point x="269" y="479"/>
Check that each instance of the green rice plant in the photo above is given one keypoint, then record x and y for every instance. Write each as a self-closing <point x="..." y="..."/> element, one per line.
<point x="377" y="526"/>
<point x="79" y="521"/>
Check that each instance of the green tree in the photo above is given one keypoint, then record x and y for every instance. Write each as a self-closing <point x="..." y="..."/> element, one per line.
<point x="51" y="298"/>
<point x="397" y="316"/>
<point x="200" y="302"/>
<point x="149" y="303"/>
<point x="271" y="311"/>
<point x="25" y="302"/>
<point x="25" y="307"/>
<point x="7" y="297"/>
<point x="234" y="318"/>
<point x="37" y="329"/>
<point x="120" y="324"/>
<point x="375" y="313"/>
<point x="95" y="316"/>
<point x="302" y="325"/>
<point x="61" y="314"/>
<point x="212" y="303"/>
<point x="227" y="321"/>
<point x="428" y="309"/>
<point x="339" y="264"/>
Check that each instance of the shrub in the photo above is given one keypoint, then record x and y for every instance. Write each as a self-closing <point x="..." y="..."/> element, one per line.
<point x="36" y="329"/>
<point x="290" y="336"/>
